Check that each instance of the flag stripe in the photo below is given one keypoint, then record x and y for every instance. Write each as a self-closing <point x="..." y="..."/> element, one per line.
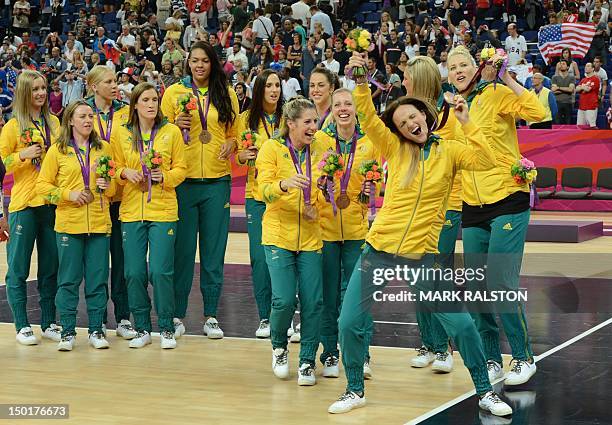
<point x="552" y="39"/>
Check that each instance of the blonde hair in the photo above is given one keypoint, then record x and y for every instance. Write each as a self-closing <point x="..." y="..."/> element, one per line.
<point x="293" y="110"/>
<point x="425" y="77"/>
<point x="95" y="76"/>
<point x="65" y="135"/>
<point x="461" y="51"/>
<point x="23" y="100"/>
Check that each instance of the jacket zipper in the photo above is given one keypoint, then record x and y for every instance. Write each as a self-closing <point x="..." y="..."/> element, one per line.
<point x="142" y="206"/>
<point x="341" y="226"/>
<point x="87" y="212"/>
<point x="476" y="188"/>
<point x="299" y="220"/>
<point x="416" y="204"/>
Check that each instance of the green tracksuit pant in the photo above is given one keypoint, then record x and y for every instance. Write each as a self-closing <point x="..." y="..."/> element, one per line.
<point x="82" y="256"/>
<point x="26" y="227"/>
<point x="262" y="287"/>
<point x="118" y="285"/>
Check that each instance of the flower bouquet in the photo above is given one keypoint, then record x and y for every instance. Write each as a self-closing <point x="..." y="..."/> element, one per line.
<point x="249" y="139"/>
<point x="186" y="104"/>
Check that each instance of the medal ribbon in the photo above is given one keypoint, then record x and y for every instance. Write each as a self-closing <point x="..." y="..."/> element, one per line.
<point x="145" y="170"/>
<point x="298" y="168"/>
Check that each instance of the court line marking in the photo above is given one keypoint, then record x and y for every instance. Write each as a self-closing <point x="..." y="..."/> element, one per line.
<point x="542" y="356"/>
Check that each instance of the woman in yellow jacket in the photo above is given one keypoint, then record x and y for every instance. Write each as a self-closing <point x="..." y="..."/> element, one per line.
<point x="210" y="138"/>
<point x="23" y="143"/>
<point x="496" y="208"/>
<point x="343" y="232"/>
<point x="111" y="114"/>
<point x="149" y="210"/>
<point x="407" y="228"/>
<point x="263" y="117"/>
<point x="68" y="179"/>
<point x="291" y="234"/>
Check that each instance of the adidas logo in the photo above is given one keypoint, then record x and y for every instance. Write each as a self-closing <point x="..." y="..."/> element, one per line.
<point x="507" y="226"/>
<point x="171" y="232"/>
<point x="448" y="223"/>
<point x="227" y="205"/>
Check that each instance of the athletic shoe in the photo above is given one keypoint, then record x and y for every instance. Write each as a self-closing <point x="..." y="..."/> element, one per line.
<point x="330" y="367"/>
<point x="346" y="402"/>
<point x="520" y="372"/>
<point x="423" y="358"/>
<point x="495" y="370"/>
<point x="492" y="403"/>
<point x="443" y="363"/>
<point x="296" y="337"/>
<point x="280" y="362"/>
<point x="167" y="340"/>
<point x="67" y="343"/>
<point x="25" y="336"/>
<point x="125" y="330"/>
<point x="179" y="328"/>
<point x="53" y="332"/>
<point x="142" y="338"/>
<point x="306" y="375"/>
<point x="97" y="340"/>
<point x="367" y="371"/>
<point x="212" y="330"/>
<point x="264" y="329"/>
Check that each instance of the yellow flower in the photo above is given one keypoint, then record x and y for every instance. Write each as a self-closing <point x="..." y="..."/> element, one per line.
<point x="487" y="53"/>
<point x="363" y="42"/>
<point x="531" y="175"/>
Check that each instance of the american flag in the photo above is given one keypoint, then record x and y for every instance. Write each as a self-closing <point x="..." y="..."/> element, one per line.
<point x="554" y="38"/>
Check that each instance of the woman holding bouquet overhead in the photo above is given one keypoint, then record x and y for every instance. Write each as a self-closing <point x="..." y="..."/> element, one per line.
<point x="259" y="123"/>
<point x="83" y="221"/>
<point x="210" y="134"/>
<point x="496" y="207"/>
<point x="344" y="223"/>
<point x="111" y="114"/>
<point x="291" y="234"/>
<point x="406" y="229"/>
<point x="149" y="153"/>
<point x="23" y="143"/>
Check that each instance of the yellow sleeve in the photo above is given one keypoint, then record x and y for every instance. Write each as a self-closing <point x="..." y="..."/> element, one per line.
<point x="178" y="168"/>
<point x="168" y="105"/>
<point x="526" y="106"/>
<point x="233" y="130"/>
<point x="372" y="125"/>
<point x="269" y="183"/>
<point x="118" y="157"/>
<point x="477" y="154"/>
<point x="9" y="137"/>
<point x="46" y="185"/>
<point x="242" y="126"/>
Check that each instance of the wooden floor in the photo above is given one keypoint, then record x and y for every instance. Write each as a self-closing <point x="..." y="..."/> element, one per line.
<point x="203" y="381"/>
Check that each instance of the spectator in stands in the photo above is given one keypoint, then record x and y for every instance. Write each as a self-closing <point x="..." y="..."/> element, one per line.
<point x="125" y="38"/>
<point x="263" y="28"/>
<point x="174" y="25"/>
<point x="6" y="104"/>
<point x="98" y="44"/>
<point x="330" y="63"/>
<point x="172" y="54"/>
<point x="57" y="65"/>
<point x="320" y="17"/>
<point x="311" y="57"/>
<point x="94" y="60"/>
<point x="238" y="56"/>
<point x="566" y="54"/>
<point x="7" y="46"/>
<point x="25" y="40"/>
<point x="547" y="100"/>
<point x="588" y="101"/>
<point x="301" y="11"/>
<point x="21" y="16"/>
<point x="77" y="44"/>
<point x="537" y="68"/>
<point x="53" y="40"/>
<point x="340" y="54"/>
<point x="55" y="21"/>
<point x="394" y="48"/>
<point x="262" y="56"/>
<point x="515" y="45"/>
<point x="291" y="86"/>
<point x="603" y="78"/>
<point x="241" y="15"/>
<point x="69" y="50"/>
<point x="345" y="81"/>
<point x="153" y="54"/>
<point x="192" y="32"/>
<point x="469" y="43"/>
<point x="72" y="89"/>
<point x="243" y="99"/>
<point x="602" y="35"/>
<point x="81" y="22"/>
<point x="386" y="18"/>
<point x="125" y="87"/>
<point x="422" y="19"/>
<point x="442" y="66"/>
<point x="431" y="52"/>
<point x="55" y="100"/>
<point x="485" y="36"/>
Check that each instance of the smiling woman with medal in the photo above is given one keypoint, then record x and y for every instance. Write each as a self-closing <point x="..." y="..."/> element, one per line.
<point x="150" y="157"/>
<point x="263" y="117"/>
<point x="212" y="131"/>
<point x="291" y="235"/>
<point x="322" y="84"/>
<point x="343" y="232"/>
<point x="23" y="143"/>
<point x="110" y="114"/>
<point x="83" y="221"/>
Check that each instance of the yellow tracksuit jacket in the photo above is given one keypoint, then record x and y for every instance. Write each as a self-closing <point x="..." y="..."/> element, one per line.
<point x="23" y="193"/>
<point x="163" y="206"/>
<point x="409" y="222"/>
<point x="60" y="174"/>
<point x="202" y="159"/>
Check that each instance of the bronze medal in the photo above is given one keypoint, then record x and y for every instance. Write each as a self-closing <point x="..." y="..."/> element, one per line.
<point x="144" y="186"/>
<point x="310" y="213"/>
<point x="205" y="137"/>
<point x="343" y="201"/>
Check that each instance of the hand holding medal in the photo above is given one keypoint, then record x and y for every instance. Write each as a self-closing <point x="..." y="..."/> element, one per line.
<point x="310" y="212"/>
<point x="86" y="195"/>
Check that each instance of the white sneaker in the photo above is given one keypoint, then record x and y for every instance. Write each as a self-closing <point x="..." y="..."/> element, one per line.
<point x="53" y="332"/>
<point x="367" y="371"/>
<point x="423" y="358"/>
<point x="330" y="367"/>
<point x="520" y="372"/>
<point x="125" y="330"/>
<point x="264" y="329"/>
<point x="97" y="340"/>
<point x="212" y="330"/>
<point x="67" y="343"/>
<point x="296" y="337"/>
<point x="167" y="340"/>
<point x="495" y="370"/>
<point x="290" y="330"/>
<point x="492" y="403"/>
<point x="443" y="363"/>
<point x="306" y="375"/>
<point x="280" y="362"/>
<point x="347" y="402"/>
<point x="25" y="336"/>
<point x="142" y="338"/>
<point x="179" y="328"/>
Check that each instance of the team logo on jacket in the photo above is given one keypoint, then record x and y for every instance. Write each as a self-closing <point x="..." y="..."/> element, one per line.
<point x="448" y="223"/>
<point x="507" y="226"/>
<point x="171" y="232"/>
<point x="227" y="205"/>
<point x="19" y="229"/>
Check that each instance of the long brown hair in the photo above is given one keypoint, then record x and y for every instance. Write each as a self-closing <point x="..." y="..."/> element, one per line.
<point x="132" y="122"/>
<point x="65" y="136"/>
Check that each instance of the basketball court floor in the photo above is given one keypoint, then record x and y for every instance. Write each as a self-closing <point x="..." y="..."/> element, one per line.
<point x="230" y="381"/>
